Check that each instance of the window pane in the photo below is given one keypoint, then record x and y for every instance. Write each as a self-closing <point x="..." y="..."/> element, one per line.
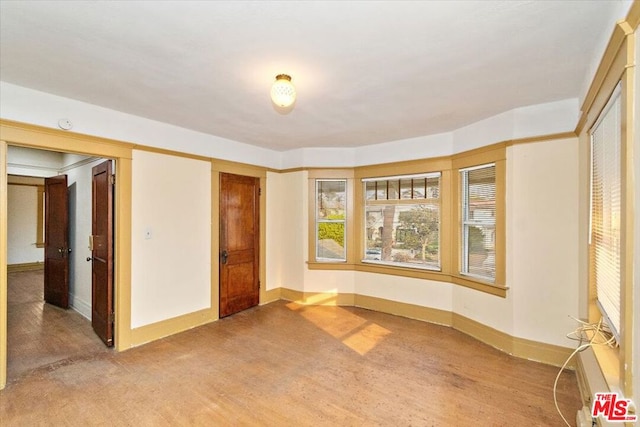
<point x="373" y="224"/>
<point x="408" y="235"/>
<point x="482" y="194"/>
<point x="330" y="243"/>
<point x="370" y="190"/>
<point x="330" y="220"/>
<point x="401" y="234"/>
<point x="433" y="188"/>
<point x="478" y="198"/>
<point x="331" y="199"/>
<point x="381" y="193"/>
<point x="394" y="190"/>
<point x="418" y="188"/>
<point x="481" y="254"/>
<point x="406" y="191"/>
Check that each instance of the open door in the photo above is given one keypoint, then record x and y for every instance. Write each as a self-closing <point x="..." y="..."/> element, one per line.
<point x="101" y="245"/>
<point x="56" y="238"/>
<point x="239" y="243"/>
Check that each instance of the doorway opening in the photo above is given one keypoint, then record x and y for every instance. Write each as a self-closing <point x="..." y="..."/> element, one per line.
<point x="56" y="308"/>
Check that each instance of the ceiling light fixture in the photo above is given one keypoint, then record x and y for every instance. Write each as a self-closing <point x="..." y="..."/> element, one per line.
<point x="283" y="93"/>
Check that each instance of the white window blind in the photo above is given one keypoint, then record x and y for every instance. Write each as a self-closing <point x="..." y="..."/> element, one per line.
<point x="606" y="144"/>
<point x="478" y="196"/>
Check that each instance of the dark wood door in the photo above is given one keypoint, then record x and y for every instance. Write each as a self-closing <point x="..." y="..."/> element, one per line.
<point x="56" y="241"/>
<point x="102" y="313"/>
<point x="239" y="243"/>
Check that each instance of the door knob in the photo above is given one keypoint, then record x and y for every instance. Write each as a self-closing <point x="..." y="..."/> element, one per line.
<point x="224" y="256"/>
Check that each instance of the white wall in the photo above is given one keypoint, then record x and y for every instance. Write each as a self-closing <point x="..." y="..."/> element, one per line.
<point x="275" y="230"/>
<point x="426" y="293"/>
<point x="171" y="271"/>
<point x="543" y="228"/>
<point x="22" y="222"/>
<point x="79" y="180"/>
<point x="294" y="238"/>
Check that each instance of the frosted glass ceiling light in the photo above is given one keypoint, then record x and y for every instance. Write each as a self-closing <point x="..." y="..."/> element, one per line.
<point x="283" y="93"/>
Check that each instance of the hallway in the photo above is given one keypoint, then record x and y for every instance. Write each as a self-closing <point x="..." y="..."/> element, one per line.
<point x="40" y="335"/>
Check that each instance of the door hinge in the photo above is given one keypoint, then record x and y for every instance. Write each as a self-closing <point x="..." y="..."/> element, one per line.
<point x="112" y="317"/>
<point x="259" y="284"/>
<point x="259" y="191"/>
<point x="112" y="180"/>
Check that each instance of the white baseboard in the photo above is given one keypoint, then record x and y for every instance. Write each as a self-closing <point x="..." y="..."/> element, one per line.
<point x="80" y="306"/>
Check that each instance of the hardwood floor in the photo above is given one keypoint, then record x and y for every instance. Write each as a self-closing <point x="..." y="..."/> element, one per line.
<point x="41" y="334"/>
<point x="286" y="364"/>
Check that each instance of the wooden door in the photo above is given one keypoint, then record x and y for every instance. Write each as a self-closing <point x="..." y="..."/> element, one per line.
<point x="56" y="241"/>
<point x="239" y="243"/>
<point x="102" y="313"/>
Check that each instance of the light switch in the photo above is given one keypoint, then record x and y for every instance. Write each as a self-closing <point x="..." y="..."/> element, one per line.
<point x="148" y="233"/>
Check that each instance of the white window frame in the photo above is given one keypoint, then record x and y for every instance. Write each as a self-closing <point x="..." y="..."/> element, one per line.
<point x="318" y="220"/>
<point x="465" y="222"/>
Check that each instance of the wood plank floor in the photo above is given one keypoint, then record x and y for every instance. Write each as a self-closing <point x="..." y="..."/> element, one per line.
<point x="286" y="364"/>
<point x="40" y="334"/>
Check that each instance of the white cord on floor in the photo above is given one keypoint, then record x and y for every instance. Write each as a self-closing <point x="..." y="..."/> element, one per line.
<point x="599" y="332"/>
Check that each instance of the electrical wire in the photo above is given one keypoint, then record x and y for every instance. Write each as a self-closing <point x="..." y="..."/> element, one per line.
<point x="600" y="335"/>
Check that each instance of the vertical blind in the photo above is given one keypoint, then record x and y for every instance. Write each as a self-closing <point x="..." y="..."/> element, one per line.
<point x="606" y="145"/>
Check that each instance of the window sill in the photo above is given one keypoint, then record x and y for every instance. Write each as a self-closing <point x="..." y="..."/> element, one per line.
<point x="609" y="362"/>
<point x="328" y="265"/>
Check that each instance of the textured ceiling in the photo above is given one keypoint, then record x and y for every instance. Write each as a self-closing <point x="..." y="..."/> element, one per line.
<point x="365" y="72"/>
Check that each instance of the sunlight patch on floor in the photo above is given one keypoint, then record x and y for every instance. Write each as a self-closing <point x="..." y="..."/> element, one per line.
<point x="355" y="332"/>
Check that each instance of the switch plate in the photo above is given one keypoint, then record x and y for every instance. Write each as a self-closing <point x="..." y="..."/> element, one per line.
<point x="148" y="233"/>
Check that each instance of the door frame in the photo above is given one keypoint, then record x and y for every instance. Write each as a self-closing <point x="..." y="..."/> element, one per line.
<point x="32" y="136"/>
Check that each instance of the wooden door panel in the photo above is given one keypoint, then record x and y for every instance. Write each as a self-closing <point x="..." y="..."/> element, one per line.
<point x="102" y="253"/>
<point x="241" y="295"/>
<point x="239" y="243"/>
<point x="56" y="250"/>
<point x="240" y="232"/>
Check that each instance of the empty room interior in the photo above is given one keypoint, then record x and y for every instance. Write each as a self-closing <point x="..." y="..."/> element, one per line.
<point x="319" y="213"/>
